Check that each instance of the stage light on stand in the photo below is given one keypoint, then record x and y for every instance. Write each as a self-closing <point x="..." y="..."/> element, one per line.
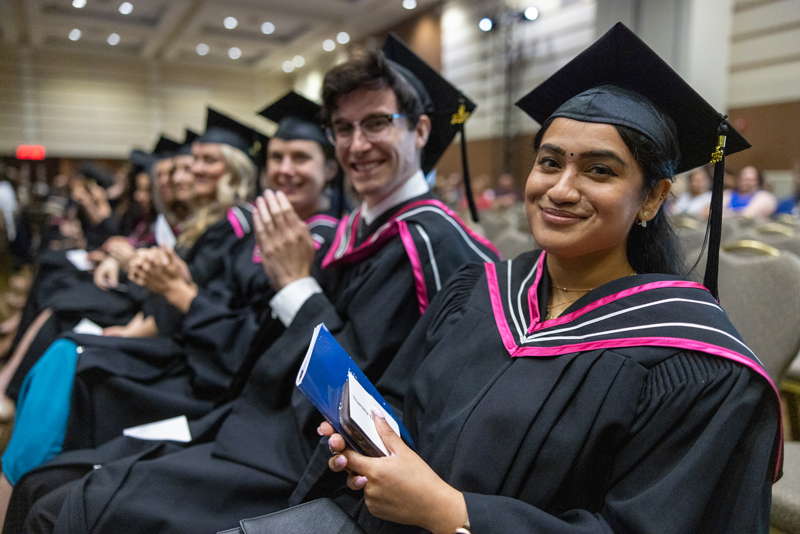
<point x="486" y="24"/>
<point x="531" y="13"/>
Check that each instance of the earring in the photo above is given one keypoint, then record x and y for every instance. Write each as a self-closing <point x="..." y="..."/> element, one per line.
<point x="641" y="222"/>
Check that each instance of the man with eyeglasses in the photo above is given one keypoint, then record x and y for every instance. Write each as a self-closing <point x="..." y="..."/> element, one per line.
<point x="388" y="260"/>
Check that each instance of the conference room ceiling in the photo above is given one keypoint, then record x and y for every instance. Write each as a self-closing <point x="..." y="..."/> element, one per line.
<point x="267" y="33"/>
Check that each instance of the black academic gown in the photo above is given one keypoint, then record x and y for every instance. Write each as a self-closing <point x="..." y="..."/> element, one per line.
<point x="381" y="278"/>
<point x="570" y="426"/>
<point x="121" y="383"/>
<point x="71" y="295"/>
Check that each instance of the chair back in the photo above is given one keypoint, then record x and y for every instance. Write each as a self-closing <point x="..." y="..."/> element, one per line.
<point x="761" y="295"/>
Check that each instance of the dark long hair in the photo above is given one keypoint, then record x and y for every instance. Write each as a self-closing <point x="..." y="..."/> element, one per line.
<point x="655" y="248"/>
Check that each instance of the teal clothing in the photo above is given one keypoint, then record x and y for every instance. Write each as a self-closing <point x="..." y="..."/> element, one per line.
<point x="42" y="411"/>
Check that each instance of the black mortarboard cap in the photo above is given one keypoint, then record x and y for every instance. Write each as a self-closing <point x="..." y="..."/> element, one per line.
<point x="186" y="147"/>
<point x="619" y="58"/>
<point x="92" y="171"/>
<point x="226" y="131"/>
<point x="619" y="80"/>
<point x="140" y="160"/>
<point x="447" y="107"/>
<point x="297" y="118"/>
<point x="165" y="148"/>
<point x="190" y="136"/>
<point x="439" y="97"/>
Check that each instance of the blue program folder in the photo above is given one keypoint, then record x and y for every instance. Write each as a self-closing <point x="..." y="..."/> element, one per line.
<point x="322" y="378"/>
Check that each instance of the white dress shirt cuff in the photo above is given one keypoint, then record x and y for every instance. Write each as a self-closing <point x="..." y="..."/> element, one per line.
<point x="288" y="301"/>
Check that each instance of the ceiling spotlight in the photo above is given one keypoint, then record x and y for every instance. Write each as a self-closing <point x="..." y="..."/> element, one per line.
<point x="531" y="13"/>
<point x="126" y="8"/>
<point x="234" y="52"/>
<point x="288" y="66"/>
<point x="485" y="24"/>
<point x="298" y="61"/>
<point x="74" y="34"/>
<point x="113" y="39"/>
<point x="79" y="3"/>
<point x="202" y="49"/>
<point x="328" y="45"/>
<point x="409" y="4"/>
<point x="343" y="37"/>
<point x="267" y="28"/>
<point x="230" y="22"/>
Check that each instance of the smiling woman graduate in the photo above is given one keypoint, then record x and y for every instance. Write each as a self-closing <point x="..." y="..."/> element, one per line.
<point x="584" y="388"/>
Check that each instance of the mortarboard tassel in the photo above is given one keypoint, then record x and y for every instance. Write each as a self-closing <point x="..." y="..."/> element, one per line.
<point x="710" y="279"/>
<point x="460" y="118"/>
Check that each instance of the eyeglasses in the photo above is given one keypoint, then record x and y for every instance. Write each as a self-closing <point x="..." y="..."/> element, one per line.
<point x="373" y="128"/>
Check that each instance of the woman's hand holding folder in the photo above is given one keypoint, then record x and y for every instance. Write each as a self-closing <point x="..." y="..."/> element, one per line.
<point x="400" y="487"/>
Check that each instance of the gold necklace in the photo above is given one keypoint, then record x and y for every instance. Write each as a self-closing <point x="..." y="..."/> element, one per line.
<point x="568" y="290"/>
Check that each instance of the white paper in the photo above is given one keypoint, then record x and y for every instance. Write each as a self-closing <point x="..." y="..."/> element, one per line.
<point x="174" y="429"/>
<point x="362" y="407"/>
<point x="88" y="327"/>
<point x="163" y="233"/>
<point x="79" y="258"/>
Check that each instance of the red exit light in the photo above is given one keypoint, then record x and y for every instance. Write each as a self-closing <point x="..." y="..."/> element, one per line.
<point x="34" y="152"/>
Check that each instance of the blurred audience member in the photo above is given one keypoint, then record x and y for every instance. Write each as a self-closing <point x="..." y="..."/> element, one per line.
<point x="697" y="197"/>
<point x="749" y="199"/>
<point x="481" y="192"/>
<point x="791" y="204"/>
<point x="507" y="193"/>
<point x="8" y="206"/>
<point x="453" y="192"/>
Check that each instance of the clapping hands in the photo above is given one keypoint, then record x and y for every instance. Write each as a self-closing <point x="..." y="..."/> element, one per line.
<point x="287" y="248"/>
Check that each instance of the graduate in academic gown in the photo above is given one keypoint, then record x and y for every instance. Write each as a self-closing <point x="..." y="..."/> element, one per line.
<point x="61" y="294"/>
<point x="388" y="260"/>
<point x="163" y="378"/>
<point x="157" y="368"/>
<point x="588" y="388"/>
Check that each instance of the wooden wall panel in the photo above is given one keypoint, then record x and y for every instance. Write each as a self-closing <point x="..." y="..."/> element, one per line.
<point x="774" y="132"/>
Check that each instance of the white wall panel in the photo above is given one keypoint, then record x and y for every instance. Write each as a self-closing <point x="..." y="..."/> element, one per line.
<point x="99" y="106"/>
<point x="765" y="47"/>
<point x="766" y="85"/>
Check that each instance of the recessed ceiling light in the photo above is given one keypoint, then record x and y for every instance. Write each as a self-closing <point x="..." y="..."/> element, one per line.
<point x="531" y="13"/>
<point x="234" y="52"/>
<point x="230" y="22"/>
<point x="202" y="49"/>
<point x="74" y="34"/>
<point x="298" y="61"/>
<point x="328" y="45"/>
<point x="288" y="66"/>
<point x="267" y="28"/>
<point x="409" y="4"/>
<point x="113" y="39"/>
<point x="79" y="3"/>
<point x="343" y="37"/>
<point x="126" y="8"/>
<point x="485" y="24"/>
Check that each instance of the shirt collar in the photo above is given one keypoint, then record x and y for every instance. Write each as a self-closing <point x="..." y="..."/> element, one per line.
<point x="413" y="187"/>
